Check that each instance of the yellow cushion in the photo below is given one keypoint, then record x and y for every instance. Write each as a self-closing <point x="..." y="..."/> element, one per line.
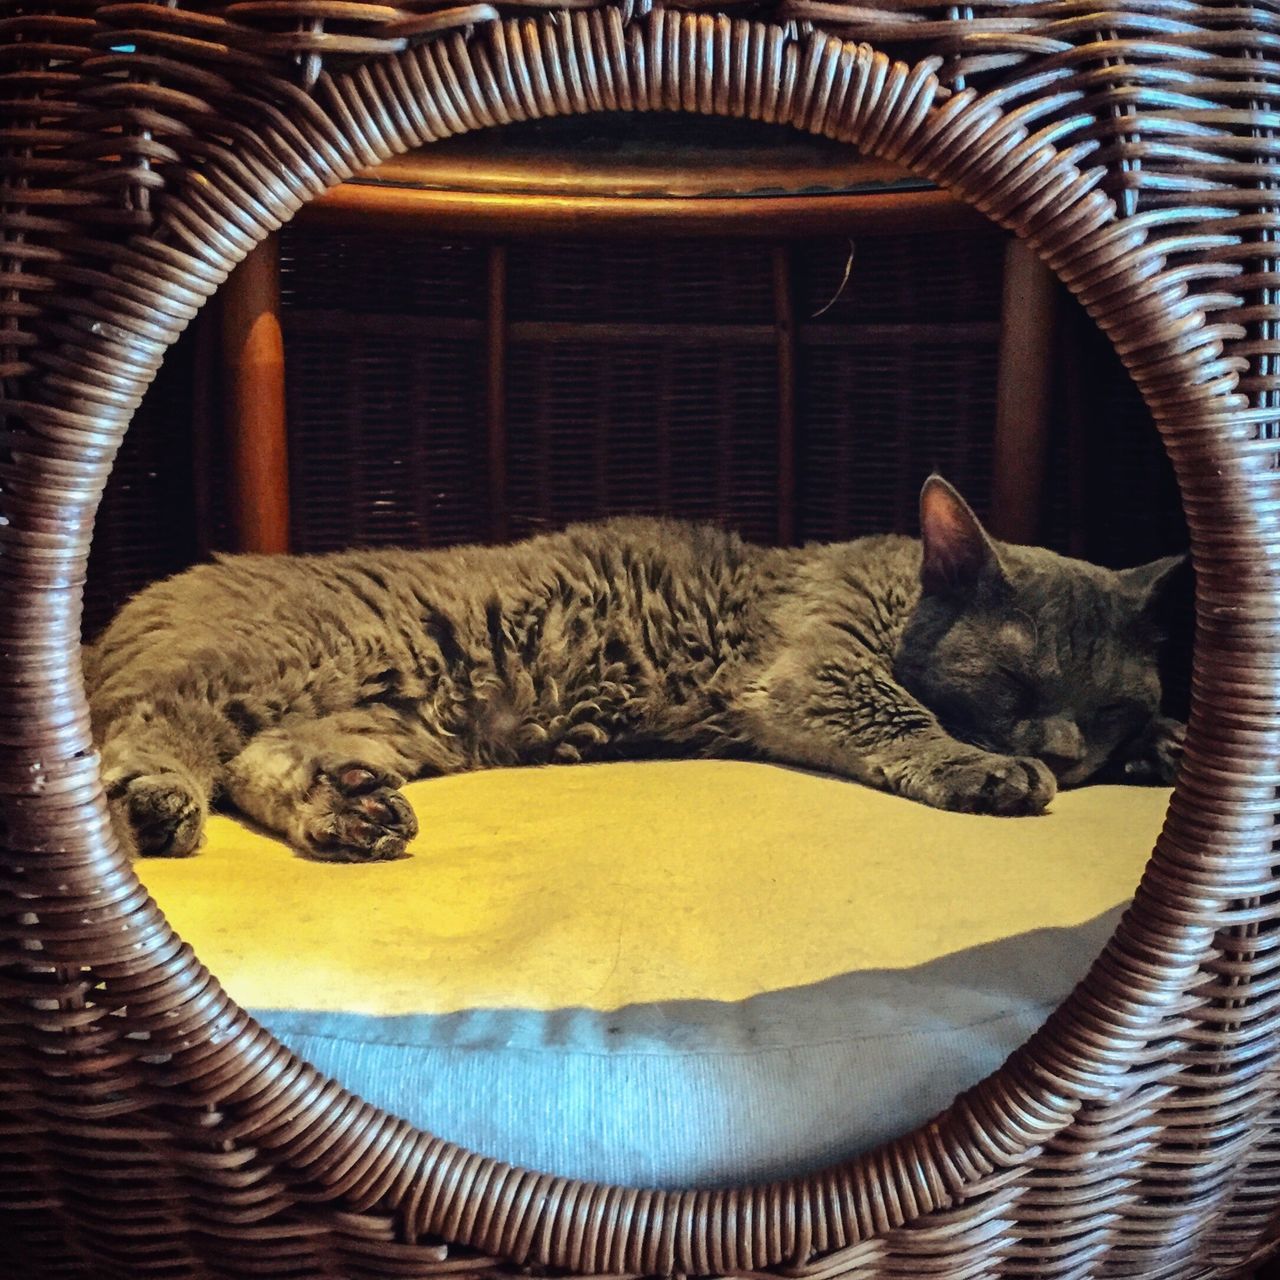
<point x="601" y="886"/>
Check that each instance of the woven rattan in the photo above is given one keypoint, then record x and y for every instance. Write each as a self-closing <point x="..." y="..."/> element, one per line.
<point x="149" y="1126"/>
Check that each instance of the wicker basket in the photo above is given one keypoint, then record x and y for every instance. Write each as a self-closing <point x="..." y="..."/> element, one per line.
<point x="150" y="1127"/>
<point x="388" y="362"/>
<point x="389" y="355"/>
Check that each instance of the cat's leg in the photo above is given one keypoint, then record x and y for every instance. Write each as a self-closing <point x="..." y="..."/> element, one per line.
<point x="940" y="771"/>
<point x="161" y="764"/>
<point x="331" y="785"/>
<point x="857" y="721"/>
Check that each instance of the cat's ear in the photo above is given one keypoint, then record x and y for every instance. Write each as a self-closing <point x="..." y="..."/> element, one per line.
<point x="957" y="553"/>
<point x="1157" y="585"/>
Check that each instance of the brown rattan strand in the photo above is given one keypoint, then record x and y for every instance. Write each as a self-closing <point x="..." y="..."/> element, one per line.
<point x="150" y="1128"/>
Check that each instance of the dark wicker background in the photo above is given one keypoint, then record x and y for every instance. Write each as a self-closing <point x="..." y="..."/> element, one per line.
<point x="641" y="378"/>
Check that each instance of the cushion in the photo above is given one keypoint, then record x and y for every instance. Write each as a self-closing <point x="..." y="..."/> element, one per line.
<point x="676" y="973"/>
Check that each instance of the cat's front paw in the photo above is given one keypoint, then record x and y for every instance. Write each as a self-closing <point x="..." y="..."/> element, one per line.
<point x="355" y="813"/>
<point x="159" y="813"/>
<point x="982" y="782"/>
<point x="1154" y="758"/>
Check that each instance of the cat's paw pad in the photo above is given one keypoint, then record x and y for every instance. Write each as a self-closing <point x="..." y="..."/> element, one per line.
<point x="164" y="814"/>
<point x="1158" y="754"/>
<point x="1008" y="786"/>
<point x="358" y="815"/>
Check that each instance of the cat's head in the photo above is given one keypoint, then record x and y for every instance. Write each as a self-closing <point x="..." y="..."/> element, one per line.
<point x="1025" y="652"/>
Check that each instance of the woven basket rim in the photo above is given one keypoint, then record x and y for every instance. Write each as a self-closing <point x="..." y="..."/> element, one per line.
<point x="989" y="151"/>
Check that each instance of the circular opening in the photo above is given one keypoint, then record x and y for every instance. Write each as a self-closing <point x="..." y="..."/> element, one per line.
<point x="582" y="935"/>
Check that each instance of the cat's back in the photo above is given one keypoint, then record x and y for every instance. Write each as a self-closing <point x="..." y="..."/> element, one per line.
<point x="637" y="550"/>
<point x="233" y="592"/>
<point x="687" y="549"/>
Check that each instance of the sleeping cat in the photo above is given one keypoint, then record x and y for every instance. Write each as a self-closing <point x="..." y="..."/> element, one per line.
<point x="960" y="672"/>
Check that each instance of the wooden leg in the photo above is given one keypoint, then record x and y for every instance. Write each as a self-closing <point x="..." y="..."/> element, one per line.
<point x="253" y="364"/>
<point x="496" y="393"/>
<point x="1022" y="396"/>
<point x="785" y="323"/>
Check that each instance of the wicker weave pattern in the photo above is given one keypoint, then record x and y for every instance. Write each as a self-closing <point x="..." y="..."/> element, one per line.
<point x="150" y="1128"/>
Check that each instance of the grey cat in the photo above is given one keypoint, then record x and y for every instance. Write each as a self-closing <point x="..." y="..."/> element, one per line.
<point x="955" y="670"/>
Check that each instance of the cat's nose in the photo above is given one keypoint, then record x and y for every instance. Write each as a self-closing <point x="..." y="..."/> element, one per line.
<point x="1063" y="746"/>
